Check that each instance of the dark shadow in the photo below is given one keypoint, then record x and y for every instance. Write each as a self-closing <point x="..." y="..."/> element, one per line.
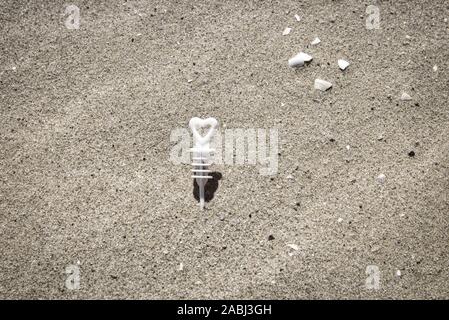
<point x="210" y="187"/>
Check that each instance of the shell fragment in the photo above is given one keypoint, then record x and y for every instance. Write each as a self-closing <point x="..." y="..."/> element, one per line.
<point x="286" y="31"/>
<point x="343" y="64"/>
<point x="315" y="41"/>
<point x="299" y="59"/>
<point x="322" y="85"/>
<point x="405" y="96"/>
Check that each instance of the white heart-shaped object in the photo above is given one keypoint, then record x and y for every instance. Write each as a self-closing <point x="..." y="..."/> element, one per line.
<point x="197" y="123"/>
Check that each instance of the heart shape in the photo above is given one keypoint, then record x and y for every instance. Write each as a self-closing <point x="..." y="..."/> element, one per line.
<point x="197" y="123"/>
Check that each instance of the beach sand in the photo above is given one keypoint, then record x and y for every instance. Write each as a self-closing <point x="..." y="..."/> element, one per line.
<point x="87" y="183"/>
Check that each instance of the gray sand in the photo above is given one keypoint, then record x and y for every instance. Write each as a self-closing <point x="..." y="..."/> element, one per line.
<point x="86" y="117"/>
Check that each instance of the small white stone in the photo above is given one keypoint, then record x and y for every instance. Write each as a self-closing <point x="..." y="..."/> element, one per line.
<point x="14" y="68"/>
<point x="402" y="215"/>
<point x="405" y="96"/>
<point x="298" y="18"/>
<point x="299" y="59"/>
<point x="343" y="64"/>
<point x="340" y="220"/>
<point x="348" y="147"/>
<point x="435" y="68"/>
<point x="381" y="178"/>
<point x="286" y="31"/>
<point x="290" y="177"/>
<point x="315" y="41"/>
<point x="190" y="80"/>
<point x="181" y="266"/>
<point x="322" y="85"/>
<point x="293" y="246"/>
<point x="398" y="273"/>
<point x="407" y="37"/>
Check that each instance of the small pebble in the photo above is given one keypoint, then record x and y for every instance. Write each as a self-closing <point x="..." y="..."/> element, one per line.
<point x="293" y="246"/>
<point x="398" y="273"/>
<point x="181" y="266"/>
<point x="270" y="237"/>
<point x="340" y="220"/>
<point x="290" y="177"/>
<point x="298" y="18"/>
<point x="411" y="154"/>
<point x="435" y="68"/>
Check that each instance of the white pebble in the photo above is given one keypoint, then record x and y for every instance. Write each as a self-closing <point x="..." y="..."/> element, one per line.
<point x="322" y="85"/>
<point x="181" y="266"/>
<point x="398" y="273"/>
<point x="298" y="18"/>
<point x="315" y="41"/>
<point x="435" y="68"/>
<point x="340" y="220"/>
<point x="290" y="177"/>
<point x="348" y="147"/>
<point x="299" y="59"/>
<point x="286" y="31"/>
<point x="343" y="64"/>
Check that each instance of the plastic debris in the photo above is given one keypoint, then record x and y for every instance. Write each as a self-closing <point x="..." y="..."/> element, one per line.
<point x="286" y="31"/>
<point x="322" y="85"/>
<point x="299" y="60"/>
<point x="201" y="152"/>
<point x="315" y="41"/>
<point x="343" y="64"/>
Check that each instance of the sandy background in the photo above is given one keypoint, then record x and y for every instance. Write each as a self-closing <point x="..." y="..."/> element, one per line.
<point x="85" y="126"/>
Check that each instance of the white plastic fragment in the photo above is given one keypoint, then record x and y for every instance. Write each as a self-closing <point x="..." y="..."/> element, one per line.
<point x="299" y="59"/>
<point x="381" y="178"/>
<point x="322" y="85"/>
<point x="286" y="31"/>
<point x="315" y="41"/>
<point x="201" y="152"/>
<point x="405" y="96"/>
<point x="298" y="18"/>
<point x="343" y="64"/>
<point x="293" y="246"/>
